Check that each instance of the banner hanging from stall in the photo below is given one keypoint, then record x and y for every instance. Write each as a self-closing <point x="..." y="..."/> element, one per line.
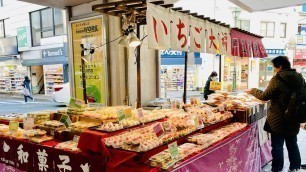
<point x="244" y="45"/>
<point x="171" y="29"/>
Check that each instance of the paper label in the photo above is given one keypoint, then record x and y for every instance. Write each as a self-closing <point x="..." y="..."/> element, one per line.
<point x="158" y="130"/>
<point x="140" y="112"/>
<point x="128" y="113"/>
<point x="201" y="122"/>
<point x="167" y="127"/>
<point x="28" y="123"/>
<point x="121" y="115"/>
<point x="214" y="86"/>
<point x="173" y="149"/>
<point x="65" y="119"/>
<point x="13" y="126"/>
<point x="221" y="109"/>
<point x="76" y="103"/>
<point x="76" y="139"/>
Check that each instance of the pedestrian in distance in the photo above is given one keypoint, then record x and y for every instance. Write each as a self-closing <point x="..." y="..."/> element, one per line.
<point x="27" y="89"/>
<point x="212" y="77"/>
<point x="283" y="129"/>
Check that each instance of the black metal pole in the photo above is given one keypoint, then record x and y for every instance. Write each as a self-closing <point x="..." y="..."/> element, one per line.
<point x="84" y="80"/>
<point x="138" y="70"/>
<point x="185" y="78"/>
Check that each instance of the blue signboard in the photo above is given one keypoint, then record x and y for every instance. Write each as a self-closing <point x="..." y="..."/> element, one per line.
<point x="169" y="57"/>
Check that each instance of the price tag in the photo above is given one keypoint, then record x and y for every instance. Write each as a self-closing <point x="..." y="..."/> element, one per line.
<point x="76" y="103"/>
<point x="201" y="122"/>
<point x="225" y="107"/>
<point x="128" y="113"/>
<point x="28" y="123"/>
<point x="209" y="112"/>
<point x="121" y="115"/>
<point x="13" y="126"/>
<point x="167" y="127"/>
<point x="140" y="112"/>
<point x="173" y="149"/>
<point x="173" y="104"/>
<point x="65" y="119"/>
<point x="76" y="139"/>
<point x="214" y="86"/>
<point x="158" y="130"/>
<point x="221" y="109"/>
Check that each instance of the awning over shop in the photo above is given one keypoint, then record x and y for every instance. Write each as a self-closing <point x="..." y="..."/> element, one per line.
<point x="45" y="61"/>
<point x="262" y="5"/>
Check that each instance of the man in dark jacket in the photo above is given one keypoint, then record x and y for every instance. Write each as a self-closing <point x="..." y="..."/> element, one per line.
<point x="207" y="91"/>
<point x="281" y="130"/>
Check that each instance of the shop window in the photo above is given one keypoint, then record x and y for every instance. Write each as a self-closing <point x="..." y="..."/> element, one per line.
<point x="46" y="23"/>
<point x="243" y="24"/>
<point x="283" y="27"/>
<point x="267" y="29"/>
<point x="2" y="33"/>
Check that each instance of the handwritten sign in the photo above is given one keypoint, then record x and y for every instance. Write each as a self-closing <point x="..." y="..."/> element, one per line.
<point x="173" y="149"/>
<point x="65" y="119"/>
<point x="128" y="113"/>
<point x="28" y="123"/>
<point x="215" y="86"/>
<point x="167" y="127"/>
<point x="13" y="126"/>
<point x="158" y="130"/>
<point x="121" y="115"/>
<point x="140" y="112"/>
<point x="76" y="103"/>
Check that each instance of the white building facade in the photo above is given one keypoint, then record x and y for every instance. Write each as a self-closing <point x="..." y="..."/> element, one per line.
<point x="35" y="44"/>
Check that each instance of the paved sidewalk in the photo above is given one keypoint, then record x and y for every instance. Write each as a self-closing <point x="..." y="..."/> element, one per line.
<point x="40" y="97"/>
<point x="302" y="146"/>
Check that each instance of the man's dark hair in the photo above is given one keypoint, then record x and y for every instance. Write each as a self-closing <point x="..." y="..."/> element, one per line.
<point x="213" y="74"/>
<point x="281" y="61"/>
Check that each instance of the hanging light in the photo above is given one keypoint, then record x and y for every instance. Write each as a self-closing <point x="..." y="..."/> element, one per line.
<point x="134" y="41"/>
<point x="124" y="41"/>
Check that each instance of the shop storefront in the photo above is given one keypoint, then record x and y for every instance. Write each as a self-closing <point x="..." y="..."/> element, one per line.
<point x="48" y="70"/>
<point x="12" y="72"/>
<point x="172" y="72"/>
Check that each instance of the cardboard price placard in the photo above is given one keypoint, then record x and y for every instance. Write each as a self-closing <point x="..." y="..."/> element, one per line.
<point x="76" y="103"/>
<point x="13" y="126"/>
<point x="173" y="149"/>
<point x="140" y="112"/>
<point x="128" y="113"/>
<point x="167" y="127"/>
<point x="65" y="119"/>
<point x="28" y="123"/>
<point x="121" y="115"/>
<point x="214" y="86"/>
<point x="159" y="130"/>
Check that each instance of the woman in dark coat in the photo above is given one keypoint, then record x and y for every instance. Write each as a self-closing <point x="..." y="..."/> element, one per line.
<point x="281" y="129"/>
<point x="26" y="84"/>
<point x="207" y="91"/>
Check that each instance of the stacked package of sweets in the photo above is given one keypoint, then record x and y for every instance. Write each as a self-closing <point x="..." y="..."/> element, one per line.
<point x="40" y="117"/>
<point x="37" y="135"/>
<point x="165" y="161"/>
<point x="68" y="146"/>
<point x="80" y="126"/>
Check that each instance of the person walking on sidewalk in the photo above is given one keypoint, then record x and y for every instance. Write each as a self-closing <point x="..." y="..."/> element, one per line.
<point x="27" y="89"/>
<point x="281" y="129"/>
